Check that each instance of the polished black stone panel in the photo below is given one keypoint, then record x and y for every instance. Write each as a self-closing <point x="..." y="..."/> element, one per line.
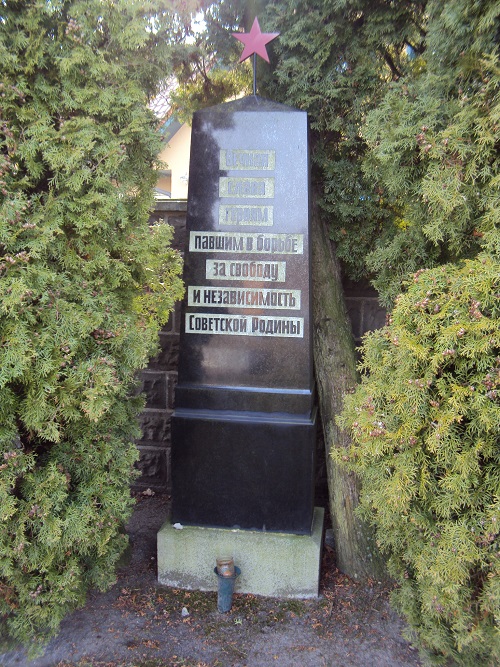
<point x="243" y="470"/>
<point x="245" y="391"/>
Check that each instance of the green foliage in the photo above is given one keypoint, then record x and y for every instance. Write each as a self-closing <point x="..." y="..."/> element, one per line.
<point x="335" y="60"/>
<point x="205" y="64"/>
<point x="404" y="106"/>
<point x="433" y="146"/>
<point x="403" y="103"/>
<point x="85" y="283"/>
<point x="208" y="88"/>
<point x="424" y="424"/>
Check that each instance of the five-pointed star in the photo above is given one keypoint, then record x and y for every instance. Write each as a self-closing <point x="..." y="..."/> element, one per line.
<point x="255" y="41"/>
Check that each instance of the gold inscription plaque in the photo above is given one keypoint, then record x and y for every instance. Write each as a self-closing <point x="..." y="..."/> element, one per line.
<point x="240" y="270"/>
<point x="247" y="242"/>
<point x="238" y="214"/>
<point x="248" y="160"/>
<point x="246" y="188"/>
<point x="207" y="296"/>
<point x="244" y="325"/>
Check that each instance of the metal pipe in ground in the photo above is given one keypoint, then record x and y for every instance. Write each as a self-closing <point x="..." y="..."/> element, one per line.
<point x="225" y="589"/>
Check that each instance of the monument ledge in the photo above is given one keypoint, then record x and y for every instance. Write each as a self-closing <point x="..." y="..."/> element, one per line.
<point x="281" y="565"/>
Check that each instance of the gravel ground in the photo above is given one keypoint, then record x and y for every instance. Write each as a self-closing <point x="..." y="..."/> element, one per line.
<point x="138" y="623"/>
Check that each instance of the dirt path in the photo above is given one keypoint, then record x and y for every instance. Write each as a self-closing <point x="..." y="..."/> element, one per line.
<point x="141" y="624"/>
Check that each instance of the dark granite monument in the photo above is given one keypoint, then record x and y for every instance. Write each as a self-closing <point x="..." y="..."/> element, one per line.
<point x="243" y="430"/>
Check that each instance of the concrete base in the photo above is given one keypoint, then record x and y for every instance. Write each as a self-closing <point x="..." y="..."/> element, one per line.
<point x="273" y="564"/>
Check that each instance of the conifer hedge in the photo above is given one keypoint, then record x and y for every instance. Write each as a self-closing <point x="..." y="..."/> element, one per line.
<point x="85" y="283"/>
<point x="425" y="428"/>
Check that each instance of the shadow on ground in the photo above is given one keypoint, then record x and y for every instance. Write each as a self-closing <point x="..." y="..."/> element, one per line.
<point x="138" y="623"/>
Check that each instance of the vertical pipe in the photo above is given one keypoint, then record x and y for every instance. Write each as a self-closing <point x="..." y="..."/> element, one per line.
<point x="255" y="74"/>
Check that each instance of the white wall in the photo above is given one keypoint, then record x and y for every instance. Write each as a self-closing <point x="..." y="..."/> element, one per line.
<point x="176" y="156"/>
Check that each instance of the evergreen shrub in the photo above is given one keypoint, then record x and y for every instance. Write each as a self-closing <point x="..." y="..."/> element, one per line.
<point x="425" y="423"/>
<point x="85" y="283"/>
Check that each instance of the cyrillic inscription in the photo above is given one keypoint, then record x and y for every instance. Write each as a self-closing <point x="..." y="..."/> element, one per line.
<point x="205" y="296"/>
<point x="235" y="242"/>
<point x="236" y="214"/>
<point x="208" y="296"/>
<point x="247" y="159"/>
<point x="234" y="270"/>
<point x="245" y="325"/>
<point x="246" y="188"/>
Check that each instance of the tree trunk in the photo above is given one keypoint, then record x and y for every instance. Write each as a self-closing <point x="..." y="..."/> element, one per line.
<point x="335" y="368"/>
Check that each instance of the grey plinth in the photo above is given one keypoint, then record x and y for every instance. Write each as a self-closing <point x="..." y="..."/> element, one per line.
<point x="274" y="564"/>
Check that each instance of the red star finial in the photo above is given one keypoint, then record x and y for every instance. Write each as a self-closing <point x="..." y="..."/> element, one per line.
<point x="255" y="41"/>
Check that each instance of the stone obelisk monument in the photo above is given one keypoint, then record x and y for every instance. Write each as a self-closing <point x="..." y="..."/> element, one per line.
<point x="244" y="426"/>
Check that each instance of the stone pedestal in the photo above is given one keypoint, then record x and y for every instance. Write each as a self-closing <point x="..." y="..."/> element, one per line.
<point x="274" y="564"/>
